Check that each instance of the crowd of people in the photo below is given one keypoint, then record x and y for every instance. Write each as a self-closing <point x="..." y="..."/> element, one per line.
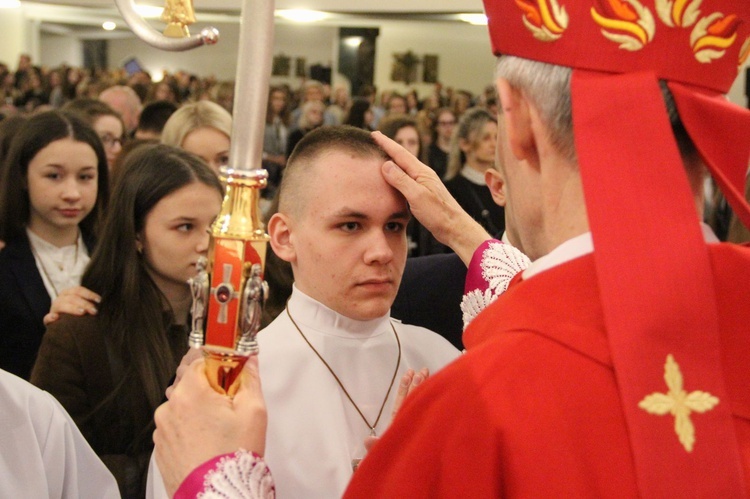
<point x="519" y="226"/>
<point x="144" y="106"/>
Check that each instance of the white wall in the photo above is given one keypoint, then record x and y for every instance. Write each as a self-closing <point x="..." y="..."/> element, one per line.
<point x="60" y="49"/>
<point x="464" y="55"/>
<point x="465" y="58"/>
<point x="218" y="60"/>
<point x="12" y="26"/>
<point x="317" y="44"/>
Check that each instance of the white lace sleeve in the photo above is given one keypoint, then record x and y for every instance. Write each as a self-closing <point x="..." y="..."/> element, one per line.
<point x="499" y="263"/>
<point x="242" y="475"/>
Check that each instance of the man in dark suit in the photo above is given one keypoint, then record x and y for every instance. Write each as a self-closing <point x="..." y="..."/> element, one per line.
<point x="430" y="295"/>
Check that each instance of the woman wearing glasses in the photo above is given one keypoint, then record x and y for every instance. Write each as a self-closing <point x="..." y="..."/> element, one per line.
<point x="437" y="154"/>
<point x="105" y="121"/>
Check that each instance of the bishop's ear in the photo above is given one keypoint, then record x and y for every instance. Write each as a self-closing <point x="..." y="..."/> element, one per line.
<point x="279" y="229"/>
<point x="496" y="183"/>
<point x="516" y="117"/>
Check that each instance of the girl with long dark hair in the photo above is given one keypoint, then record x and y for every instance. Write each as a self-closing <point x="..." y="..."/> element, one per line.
<point x="110" y="370"/>
<point x="54" y="189"/>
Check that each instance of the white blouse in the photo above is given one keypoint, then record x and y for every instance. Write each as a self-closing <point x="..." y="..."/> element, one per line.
<point x="60" y="268"/>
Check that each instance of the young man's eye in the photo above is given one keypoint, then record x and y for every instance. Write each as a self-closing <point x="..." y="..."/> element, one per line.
<point x="349" y="226"/>
<point x="394" y="226"/>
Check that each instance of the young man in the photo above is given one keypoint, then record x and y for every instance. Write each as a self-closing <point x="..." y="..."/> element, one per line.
<point x="615" y="365"/>
<point x="331" y="363"/>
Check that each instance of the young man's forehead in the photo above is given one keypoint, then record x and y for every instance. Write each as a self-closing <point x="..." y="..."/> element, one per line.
<point x="340" y="163"/>
<point x="350" y="153"/>
<point x="315" y="173"/>
<point x="353" y="192"/>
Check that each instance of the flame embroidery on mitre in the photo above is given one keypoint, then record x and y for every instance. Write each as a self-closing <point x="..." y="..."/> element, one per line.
<point x="626" y="22"/>
<point x="678" y="13"/>
<point x="712" y="35"/>
<point x="544" y="18"/>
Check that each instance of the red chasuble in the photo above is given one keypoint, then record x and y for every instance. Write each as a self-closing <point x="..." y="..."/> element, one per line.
<point x="533" y="408"/>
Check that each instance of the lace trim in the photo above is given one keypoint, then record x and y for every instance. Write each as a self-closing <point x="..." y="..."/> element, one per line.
<point x="242" y="475"/>
<point x="500" y="263"/>
<point x="474" y="302"/>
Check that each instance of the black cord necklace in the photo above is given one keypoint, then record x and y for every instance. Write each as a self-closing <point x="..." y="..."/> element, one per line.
<point x="390" y="387"/>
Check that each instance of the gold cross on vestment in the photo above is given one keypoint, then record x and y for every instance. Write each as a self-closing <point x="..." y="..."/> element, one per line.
<point x="679" y="403"/>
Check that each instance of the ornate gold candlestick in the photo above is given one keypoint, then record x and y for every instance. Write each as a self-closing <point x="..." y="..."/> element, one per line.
<point x="229" y="293"/>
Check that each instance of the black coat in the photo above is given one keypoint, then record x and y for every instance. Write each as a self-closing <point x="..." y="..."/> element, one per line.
<point x="430" y="295"/>
<point x="24" y="302"/>
<point x="477" y="201"/>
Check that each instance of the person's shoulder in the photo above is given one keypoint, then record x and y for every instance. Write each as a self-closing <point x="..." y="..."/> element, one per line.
<point x="453" y="181"/>
<point x="20" y="398"/>
<point x="457" y="185"/>
<point x="14" y="249"/>
<point x="21" y="284"/>
<point x="83" y="322"/>
<point x="415" y="331"/>
<point x="78" y="329"/>
<point x="737" y="252"/>
<point x="275" y="336"/>
<point x="424" y="340"/>
<point x="730" y="263"/>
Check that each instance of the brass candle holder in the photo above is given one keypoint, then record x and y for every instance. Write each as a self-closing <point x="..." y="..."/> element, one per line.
<point x="229" y="291"/>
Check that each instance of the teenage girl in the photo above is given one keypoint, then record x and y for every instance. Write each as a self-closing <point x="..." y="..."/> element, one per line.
<point x="202" y="128"/>
<point x="53" y="191"/>
<point x="110" y="370"/>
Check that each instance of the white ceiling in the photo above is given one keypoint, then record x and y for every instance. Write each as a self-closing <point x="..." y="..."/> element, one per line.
<point x="85" y="17"/>
<point x="343" y="6"/>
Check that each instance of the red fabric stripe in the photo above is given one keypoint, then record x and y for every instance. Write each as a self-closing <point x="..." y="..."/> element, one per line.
<point x="655" y="280"/>
<point x="721" y="133"/>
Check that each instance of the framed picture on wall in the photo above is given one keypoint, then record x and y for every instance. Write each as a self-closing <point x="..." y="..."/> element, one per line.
<point x="404" y="67"/>
<point x="300" y="67"/>
<point x="281" y="65"/>
<point x="430" y="68"/>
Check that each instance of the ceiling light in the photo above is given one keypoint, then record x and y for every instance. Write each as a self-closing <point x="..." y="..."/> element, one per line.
<point x="10" y="4"/>
<point x="149" y="11"/>
<point x="301" y="15"/>
<point x="476" y="19"/>
<point x="108" y="25"/>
